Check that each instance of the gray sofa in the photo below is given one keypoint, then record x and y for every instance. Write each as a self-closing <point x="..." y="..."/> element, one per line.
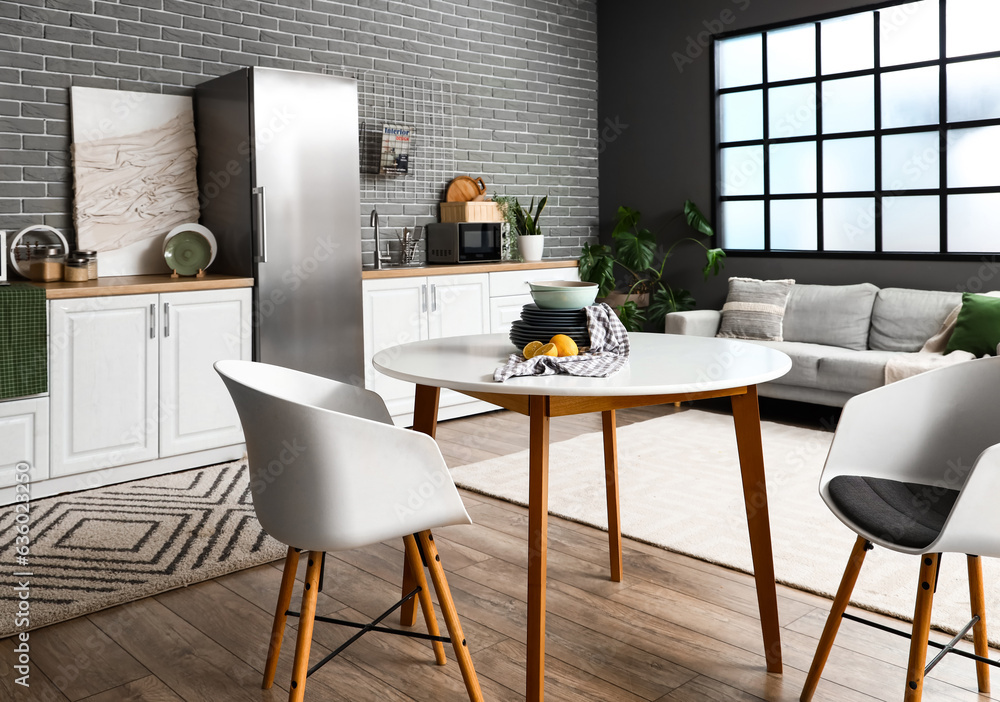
<point x="839" y="337"/>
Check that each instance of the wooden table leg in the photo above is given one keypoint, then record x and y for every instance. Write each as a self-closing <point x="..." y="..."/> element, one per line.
<point x="747" y="418"/>
<point x="538" y="521"/>
<point x="611" y="482"/>
<point x="425" y="412"/>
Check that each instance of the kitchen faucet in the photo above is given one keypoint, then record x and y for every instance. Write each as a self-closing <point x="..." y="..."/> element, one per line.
<point x="373" y="222"/>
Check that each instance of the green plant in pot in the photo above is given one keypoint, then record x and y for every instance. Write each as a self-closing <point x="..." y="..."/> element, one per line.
<point x="524" y="224"/>
<point x="630" y="265"/>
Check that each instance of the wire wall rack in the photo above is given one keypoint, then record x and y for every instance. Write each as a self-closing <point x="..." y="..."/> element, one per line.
<point x="424" y="106"/>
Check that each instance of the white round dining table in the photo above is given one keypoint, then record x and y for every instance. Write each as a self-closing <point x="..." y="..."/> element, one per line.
<point x="662" y="368"/>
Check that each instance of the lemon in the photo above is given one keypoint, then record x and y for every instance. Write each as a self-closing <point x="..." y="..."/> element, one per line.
<point x="547" y="350"/>
<point x="565" y="346"/>
<point x="531" y="349"/>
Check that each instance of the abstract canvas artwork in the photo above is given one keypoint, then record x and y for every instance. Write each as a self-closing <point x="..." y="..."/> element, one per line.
<point x="134" y="171"/>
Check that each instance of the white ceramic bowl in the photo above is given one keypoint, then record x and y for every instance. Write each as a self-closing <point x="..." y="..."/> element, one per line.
<point x="560" y="285"/>
<point x="568" y="299"/>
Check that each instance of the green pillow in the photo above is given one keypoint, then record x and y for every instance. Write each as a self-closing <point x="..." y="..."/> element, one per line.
<point x="977" y="329"/>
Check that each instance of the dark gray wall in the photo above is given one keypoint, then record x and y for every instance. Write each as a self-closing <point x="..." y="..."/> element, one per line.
<point x="655" y="150"/>
<point x="523" y="74"/>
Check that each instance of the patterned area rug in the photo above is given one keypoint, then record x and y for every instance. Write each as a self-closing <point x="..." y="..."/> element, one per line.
<point x="679" y="481"/>
<point x="96" y="549"/>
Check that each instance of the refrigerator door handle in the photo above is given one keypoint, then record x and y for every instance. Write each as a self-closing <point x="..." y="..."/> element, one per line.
<point x="258" y="198"/>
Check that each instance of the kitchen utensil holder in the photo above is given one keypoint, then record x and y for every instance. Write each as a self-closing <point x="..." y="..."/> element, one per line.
<point x="408" y="246"/>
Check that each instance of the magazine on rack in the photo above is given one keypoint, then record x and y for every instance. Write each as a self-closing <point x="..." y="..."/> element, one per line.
<point x="395" y="149"/>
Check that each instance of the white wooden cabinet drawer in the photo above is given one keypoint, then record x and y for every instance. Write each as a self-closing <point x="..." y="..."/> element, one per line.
<point x="506" y="310"/>
<point x="24" y="438"/>
<point x="516" y="282"/>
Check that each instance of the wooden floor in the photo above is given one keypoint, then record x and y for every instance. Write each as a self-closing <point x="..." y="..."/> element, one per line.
<point x="676" y="630"/>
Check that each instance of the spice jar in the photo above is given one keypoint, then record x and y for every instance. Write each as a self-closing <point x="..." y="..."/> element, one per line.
<point x="76" y="269"/>
<point x="91" y="257"/>
<point x="46" y="264"/>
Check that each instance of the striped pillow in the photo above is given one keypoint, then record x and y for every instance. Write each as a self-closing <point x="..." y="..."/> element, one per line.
<point x="754" y="309"/>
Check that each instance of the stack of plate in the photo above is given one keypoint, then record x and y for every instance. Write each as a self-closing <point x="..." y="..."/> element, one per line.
<point x="541" y="325"/>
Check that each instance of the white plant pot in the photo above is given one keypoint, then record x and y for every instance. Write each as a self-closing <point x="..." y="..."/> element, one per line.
<point x="531" y="247"/>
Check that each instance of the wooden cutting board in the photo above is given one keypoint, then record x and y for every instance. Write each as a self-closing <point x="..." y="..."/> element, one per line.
<point x="465" y="189"/>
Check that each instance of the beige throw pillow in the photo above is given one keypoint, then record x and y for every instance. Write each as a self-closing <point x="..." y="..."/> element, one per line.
<point x="754" y="309"/>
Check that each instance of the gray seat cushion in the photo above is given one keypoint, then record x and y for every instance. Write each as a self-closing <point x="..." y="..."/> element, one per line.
<point x="904" y="319"/>
<point x="905" y="514"/>
<point x="806" y="360"/>
<point x="835" y="315"/>
<point x="856" y="373"/>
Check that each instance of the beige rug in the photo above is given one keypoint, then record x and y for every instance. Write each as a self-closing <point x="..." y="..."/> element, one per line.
<point x="680" y="489"/>
<point x="99" y="548"/>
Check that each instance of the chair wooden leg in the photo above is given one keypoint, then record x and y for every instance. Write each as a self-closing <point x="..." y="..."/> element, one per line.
<point x="278" y="628"/>
<point x="840" y="602"/>
<point x="921" y="627"/>
<point x="451" y="616"/>
<point x="425" y="411"/>
<point x="408" y="612"/>
<point x="417" y="570"/>
<point x="611" y="483"/>
<point x="978" y="600"/>
<point x="307" y="616"/>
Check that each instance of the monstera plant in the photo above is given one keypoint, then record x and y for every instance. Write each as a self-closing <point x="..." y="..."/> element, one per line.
<point x="633" y="265"/>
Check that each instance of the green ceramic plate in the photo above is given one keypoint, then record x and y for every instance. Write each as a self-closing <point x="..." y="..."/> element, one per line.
<point x="187" y="253"/>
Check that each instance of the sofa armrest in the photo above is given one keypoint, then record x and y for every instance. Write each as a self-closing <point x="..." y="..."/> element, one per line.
<point x="693" y="322"/>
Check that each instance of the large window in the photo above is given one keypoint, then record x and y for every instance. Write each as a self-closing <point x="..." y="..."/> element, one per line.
<point x="874" y="132"/>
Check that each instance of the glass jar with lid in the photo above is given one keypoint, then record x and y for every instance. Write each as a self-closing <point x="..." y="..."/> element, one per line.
<point x="91" y="257"/>
<point x="76" y="269"/>
<point x="46" y="263"/>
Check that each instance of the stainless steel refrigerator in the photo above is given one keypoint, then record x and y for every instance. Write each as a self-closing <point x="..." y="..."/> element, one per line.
<point x="278" y="176"/>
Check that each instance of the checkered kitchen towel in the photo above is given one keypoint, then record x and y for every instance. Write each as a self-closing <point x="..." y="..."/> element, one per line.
<point x="23" y="362"/>
<point x="609" y="350"/>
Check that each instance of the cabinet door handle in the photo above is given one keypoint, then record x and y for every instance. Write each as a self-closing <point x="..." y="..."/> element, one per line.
<point x="166" y="319"/>
<point x="423" y="297"/>
<point x="434" y="298"/>
<point x="152" y="321"/>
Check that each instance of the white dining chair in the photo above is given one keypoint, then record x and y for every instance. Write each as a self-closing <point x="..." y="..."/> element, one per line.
<point x="330" y="472"/>
<point x="915" y="467"/>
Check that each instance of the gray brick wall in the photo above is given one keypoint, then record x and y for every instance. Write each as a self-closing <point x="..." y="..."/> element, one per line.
<point x="523" y="74"/>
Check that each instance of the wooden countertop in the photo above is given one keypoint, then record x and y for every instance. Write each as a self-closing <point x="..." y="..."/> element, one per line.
<point x="459" y="268"/>
<point x="139" y="285"/>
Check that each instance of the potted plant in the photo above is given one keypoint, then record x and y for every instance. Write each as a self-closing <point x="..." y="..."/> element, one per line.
<point x="524" y="224"/>
<point x="633" y="256"/>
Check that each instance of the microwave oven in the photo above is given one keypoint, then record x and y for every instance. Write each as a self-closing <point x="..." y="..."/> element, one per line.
<point x="464" y="242"/>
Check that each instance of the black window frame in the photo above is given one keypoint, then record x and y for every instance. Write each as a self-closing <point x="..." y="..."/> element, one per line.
<point x="942" y="127"/>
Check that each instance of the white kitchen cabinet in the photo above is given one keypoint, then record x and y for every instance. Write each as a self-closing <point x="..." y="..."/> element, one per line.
<point x="401" y="310"/>
<point x="459" y="305"/>
<point x="24" y="438"/>
<point x="103" y="382"/>
<point x="131" y="376"/>
<point x="198" y="329"/>
<point x="510" y="292"/>
<point x="405" y="309"/>
<point x="395" y="312"/>
<point x="506" y="310"/>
